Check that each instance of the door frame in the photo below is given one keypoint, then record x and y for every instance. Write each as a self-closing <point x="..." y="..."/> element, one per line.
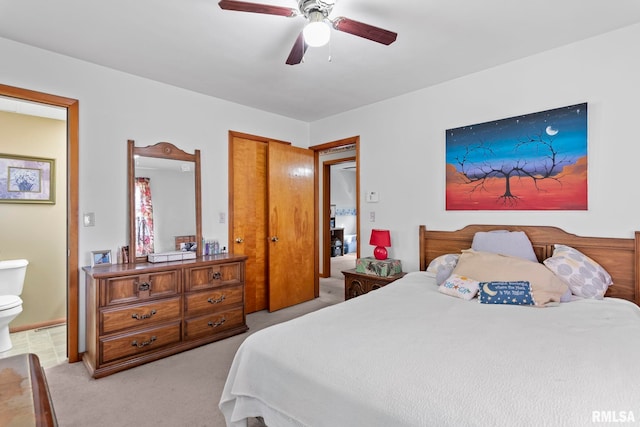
<point x="325" y="203"/>
<point x="72" y="107"/>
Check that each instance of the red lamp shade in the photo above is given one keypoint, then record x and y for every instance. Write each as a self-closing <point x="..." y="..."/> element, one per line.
<point x="381" y="239"/>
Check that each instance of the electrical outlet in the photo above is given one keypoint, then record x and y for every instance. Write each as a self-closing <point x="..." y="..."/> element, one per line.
<point x="221" y="217"/>
<point x="372" y="216"/>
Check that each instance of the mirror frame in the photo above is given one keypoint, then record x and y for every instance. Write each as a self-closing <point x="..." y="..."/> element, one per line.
<point x="162" y="150"/>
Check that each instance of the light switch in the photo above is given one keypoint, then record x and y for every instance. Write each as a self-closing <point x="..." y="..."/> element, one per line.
<point x="372" y="197"/>
<point x="89" y="219"/>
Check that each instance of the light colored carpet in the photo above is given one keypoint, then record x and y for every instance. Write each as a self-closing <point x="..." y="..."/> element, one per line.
<point x="340" y="263"/>
<point x="181" y="390"/>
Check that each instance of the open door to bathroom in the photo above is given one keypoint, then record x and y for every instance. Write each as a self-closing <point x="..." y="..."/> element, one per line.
<point x="69" y="178"/>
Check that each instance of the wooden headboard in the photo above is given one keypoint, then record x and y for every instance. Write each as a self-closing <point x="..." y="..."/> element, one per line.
<point x="618" y="256"/>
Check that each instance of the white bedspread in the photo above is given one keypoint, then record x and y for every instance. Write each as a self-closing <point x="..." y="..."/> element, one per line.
<point x="407" y="355"/>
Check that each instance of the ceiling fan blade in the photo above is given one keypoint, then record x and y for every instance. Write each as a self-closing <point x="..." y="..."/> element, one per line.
<point x="243" y="6"/>
<point x="297" y="51"/>
<point x="366" y="31"/>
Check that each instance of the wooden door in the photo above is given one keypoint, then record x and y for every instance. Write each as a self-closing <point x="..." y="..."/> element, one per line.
<point x="291" y="213"/>
<point x="248" y="214"/>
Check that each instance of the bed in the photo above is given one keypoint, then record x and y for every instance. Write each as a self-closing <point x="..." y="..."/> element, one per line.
<point x="410" y="355"/>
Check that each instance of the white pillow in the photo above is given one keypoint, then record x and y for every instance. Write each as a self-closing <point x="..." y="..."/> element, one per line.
<point x="442" y="266"/>
<point x="460" y="287"/>
<point x="504" y="242"/>
<point x="585" y="277"/>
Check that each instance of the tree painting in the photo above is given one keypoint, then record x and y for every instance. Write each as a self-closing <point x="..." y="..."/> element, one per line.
<point x="532" y="162"/>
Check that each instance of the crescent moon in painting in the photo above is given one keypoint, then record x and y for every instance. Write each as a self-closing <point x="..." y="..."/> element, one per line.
<point x="488" y="291"/>
<point x="551" y="131"/>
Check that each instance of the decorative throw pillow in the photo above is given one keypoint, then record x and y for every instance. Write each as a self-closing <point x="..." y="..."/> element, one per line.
<point x="442" y="266"/>
<point x="546" y="287"/>
<point x="504" y="242"/>
<point x="459" y="286"/>
<point x="513" y="293"/>
<point x="585" y="277"/>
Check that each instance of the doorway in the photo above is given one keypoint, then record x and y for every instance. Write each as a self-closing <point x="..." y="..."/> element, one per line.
<point x="72" y="108"/>
<point x="336" y="152"/>
<point x="340" y="180"/>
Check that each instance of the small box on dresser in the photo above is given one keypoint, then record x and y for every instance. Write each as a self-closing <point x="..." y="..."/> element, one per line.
<point x="386" y="267"/>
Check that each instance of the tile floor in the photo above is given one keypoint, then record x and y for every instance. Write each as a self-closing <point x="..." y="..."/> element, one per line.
<point x="50" y="344"/>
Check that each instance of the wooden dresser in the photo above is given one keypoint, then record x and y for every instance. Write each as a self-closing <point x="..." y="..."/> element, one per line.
<point x="137" y="313"/>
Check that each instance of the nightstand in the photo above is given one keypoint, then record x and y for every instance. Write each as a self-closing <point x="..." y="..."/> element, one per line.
<point x="356" y="284"/>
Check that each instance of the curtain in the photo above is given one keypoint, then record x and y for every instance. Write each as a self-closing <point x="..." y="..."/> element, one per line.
<point x="144" y="217"/>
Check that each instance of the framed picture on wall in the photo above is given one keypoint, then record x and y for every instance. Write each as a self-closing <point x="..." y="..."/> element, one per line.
<point x="26" y="179"/>
<point x="535" y="161"/>
<point x="99" y="258"/>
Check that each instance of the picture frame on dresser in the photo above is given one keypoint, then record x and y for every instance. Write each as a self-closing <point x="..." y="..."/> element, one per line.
<point x="101" y="258"/>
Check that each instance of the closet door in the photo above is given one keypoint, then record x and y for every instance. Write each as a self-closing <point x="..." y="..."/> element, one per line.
<point x="272" y="220"/>
<point x="291" y="219"/>
<point x="248" y="214"/>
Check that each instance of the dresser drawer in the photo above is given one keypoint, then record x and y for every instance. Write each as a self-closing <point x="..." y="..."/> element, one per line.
<point x="198" y="327"/>
<point x="139" y="315"/>
<point x="140" y="342"/>
<point x="205" y="301"/>
<point x="214" y="275"/>
<point x="125" y="289"/>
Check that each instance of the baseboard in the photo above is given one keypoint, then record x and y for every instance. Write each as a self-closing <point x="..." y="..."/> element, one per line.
<point x="39" y="325"/>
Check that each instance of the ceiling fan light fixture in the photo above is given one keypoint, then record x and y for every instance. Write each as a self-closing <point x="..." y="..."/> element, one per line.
<point x="317" y="32"/>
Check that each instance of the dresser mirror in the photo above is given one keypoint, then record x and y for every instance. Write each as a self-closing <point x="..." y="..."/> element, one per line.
<point x="164" y="200"/>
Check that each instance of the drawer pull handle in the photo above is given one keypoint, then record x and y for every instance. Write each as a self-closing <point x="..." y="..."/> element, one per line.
<point x="217" y="300"/>
<point x="144" y="286"/>
<point x="218" y="323"/>
<point x="215" y="275"/>
<point x="143" y="316"/>
<point x="143" y="343"/>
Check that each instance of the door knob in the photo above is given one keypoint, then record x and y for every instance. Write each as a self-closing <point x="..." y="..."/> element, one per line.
<point x="239" y="240"/>
<point x="274" y="239"/>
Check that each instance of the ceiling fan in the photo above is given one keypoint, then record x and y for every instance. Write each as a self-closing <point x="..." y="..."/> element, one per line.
<point x="317" y="31"/>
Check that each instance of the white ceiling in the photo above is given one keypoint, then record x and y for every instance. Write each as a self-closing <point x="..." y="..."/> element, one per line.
<point x="240" y="57"/>
<point x="13" y="105"/>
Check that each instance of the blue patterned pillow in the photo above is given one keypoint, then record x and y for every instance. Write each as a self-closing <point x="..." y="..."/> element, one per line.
<point x="514" y="293"/>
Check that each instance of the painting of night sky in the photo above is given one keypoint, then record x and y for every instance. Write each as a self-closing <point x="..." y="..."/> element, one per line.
<point x="535" y="161"/>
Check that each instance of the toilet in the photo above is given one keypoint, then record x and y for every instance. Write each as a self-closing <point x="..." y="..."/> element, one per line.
<point x="12" y="274"/>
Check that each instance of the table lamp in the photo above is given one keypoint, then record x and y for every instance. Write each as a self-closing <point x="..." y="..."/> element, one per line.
<point x="381" y="239"/>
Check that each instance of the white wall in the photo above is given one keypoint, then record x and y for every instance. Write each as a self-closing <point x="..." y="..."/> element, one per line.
<point x="114" y="107"/>
<point x="402" y="145"/>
